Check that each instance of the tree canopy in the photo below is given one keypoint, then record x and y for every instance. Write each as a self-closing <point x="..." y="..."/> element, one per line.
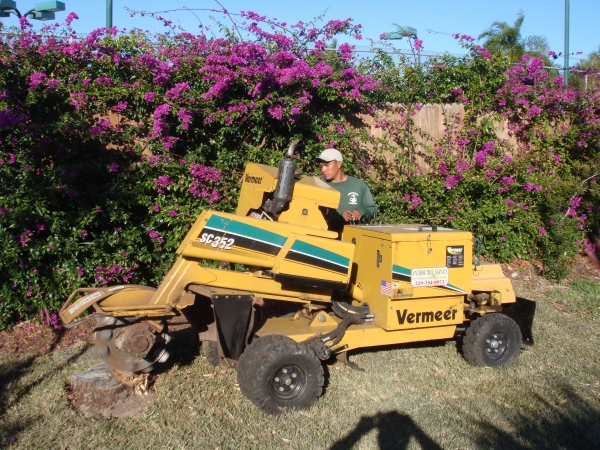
<point x="503" y="38"/>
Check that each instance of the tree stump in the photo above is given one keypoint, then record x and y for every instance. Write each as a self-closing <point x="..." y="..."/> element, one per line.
<point x="94" y="392"/>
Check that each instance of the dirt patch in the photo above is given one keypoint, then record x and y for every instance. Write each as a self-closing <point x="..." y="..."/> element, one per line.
<point x="37" y="338"/>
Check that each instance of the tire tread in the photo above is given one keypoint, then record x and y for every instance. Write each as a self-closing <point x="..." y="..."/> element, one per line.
<point x="482" y="326"/>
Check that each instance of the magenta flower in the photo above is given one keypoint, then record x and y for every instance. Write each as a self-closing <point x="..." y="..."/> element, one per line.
<point x="161" y="110"/>
<point x="452" y="181"/>
<point x="84" y="233"/>
<point x="149" y="97"/>
<point x="121" y="106"/>
<point x="542" y="230"/>
<point x="106" y="81"/>
<point x="72" y="16"/>
<point x="163" y="181"/>
<point x="36" y="79"/>
<point x="462" y="166"/>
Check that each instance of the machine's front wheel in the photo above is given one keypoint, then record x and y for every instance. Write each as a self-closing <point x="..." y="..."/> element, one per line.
<point x="275" y="372"/>
<point x="492" y="340"/>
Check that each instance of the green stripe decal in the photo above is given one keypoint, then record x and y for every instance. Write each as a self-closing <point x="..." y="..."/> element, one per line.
<point x="454" y="288"/>
<point x="318" y="252"/>
<point x="233" y="226"/>
<point x="401" y="270"/>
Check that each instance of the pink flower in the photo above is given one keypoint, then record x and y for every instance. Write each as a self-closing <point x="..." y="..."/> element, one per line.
<point x="163" y="181"/>
<point x="84" y="233"/>
<point x="542" y="230"/>
<point x="462" y="166"/>
<point x="72" y="16"/>
<point x="452" y="181"/>
<point x="149" y="96"/>
<point x="36" y="79"/>
<point x="121" y="106"/>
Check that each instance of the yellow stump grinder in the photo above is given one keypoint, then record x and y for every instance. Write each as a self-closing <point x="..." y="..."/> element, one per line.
<point x="366" y="286"/>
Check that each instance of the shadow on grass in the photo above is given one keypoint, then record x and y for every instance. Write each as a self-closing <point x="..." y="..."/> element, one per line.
<point x="567" y="421"/>
<point x="183" y="350"/>
<point x="12" y="391"/>
<point x="395" y="430"/>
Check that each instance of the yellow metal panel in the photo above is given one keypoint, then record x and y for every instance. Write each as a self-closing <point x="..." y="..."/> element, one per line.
<point x="241" y="247"/>
<point x="489" y="277"/>
<point x="412" y="249"/>
<point x="320" y="266"/>
<point x="185" y="272"/>
<point x="308" y="194"/>
<point x="424" y="313"/>
<point x="373" y="258"/>
<point x="257" y="180"/>
<point x="356" y="336"/>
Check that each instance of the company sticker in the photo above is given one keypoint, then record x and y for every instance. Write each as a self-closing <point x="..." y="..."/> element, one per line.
<point x="85" y="301"/>
<point x="433" y="276"/>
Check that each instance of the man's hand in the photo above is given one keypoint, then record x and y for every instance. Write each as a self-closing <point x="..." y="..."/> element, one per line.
<point x="350" y="216"/>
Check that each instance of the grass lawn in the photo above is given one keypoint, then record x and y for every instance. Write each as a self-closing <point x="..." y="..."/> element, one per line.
<point x="410" y="396"/>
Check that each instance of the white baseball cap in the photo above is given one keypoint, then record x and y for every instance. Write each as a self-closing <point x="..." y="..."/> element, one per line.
<point x="329" y="154"/>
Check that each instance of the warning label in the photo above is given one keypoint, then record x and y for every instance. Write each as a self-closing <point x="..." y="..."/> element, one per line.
<point x="455" y="256"/>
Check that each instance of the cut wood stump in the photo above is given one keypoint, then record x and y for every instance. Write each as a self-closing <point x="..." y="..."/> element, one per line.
<point x="94" y="392"/>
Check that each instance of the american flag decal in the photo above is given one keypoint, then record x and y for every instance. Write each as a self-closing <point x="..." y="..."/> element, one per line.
<point x="386" y="287"/>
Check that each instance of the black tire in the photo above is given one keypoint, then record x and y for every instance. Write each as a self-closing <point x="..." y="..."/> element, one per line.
<point x="492" y="340"/>
<point x="275" y="372"/>
<point x="210" y="350"/>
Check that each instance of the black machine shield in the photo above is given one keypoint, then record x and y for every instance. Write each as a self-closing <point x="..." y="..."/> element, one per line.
<point x="522" y="312"/>
<point x="233" y="314"/>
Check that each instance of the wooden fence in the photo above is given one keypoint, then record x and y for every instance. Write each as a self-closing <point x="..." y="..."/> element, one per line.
<point x="429" y="126"/>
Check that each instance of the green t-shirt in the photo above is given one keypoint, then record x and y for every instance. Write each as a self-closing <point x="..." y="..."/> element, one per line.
<point x="355" y="195"/>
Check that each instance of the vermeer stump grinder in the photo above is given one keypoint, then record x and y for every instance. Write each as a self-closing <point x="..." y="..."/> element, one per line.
<point x="366" y="286"/>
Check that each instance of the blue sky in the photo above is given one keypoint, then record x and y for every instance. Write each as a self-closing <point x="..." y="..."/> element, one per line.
<point x="443" y="17"/>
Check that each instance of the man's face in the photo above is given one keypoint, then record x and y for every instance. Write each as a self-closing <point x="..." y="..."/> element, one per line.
<point x="330" y="169"/>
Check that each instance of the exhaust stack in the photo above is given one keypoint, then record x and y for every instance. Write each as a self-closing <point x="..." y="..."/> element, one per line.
<point x="285" y="183"/>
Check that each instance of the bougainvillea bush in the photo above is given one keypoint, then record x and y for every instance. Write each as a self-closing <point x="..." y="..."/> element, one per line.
<point x="536" y="199"/>
<point x="113" y="143"/>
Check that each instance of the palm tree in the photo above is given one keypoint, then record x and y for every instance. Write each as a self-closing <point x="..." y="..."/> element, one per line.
<point x="506" y="39"/>
<point x="589" y="67"/>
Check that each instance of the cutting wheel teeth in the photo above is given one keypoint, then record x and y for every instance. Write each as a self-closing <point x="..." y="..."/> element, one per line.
<point x="108" y="331"/>
<point x="163" y="358"/>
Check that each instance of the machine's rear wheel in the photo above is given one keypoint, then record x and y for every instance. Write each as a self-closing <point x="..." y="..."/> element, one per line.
<point x="210" y="350"/>
<point x="129" y="348"/>
<point x="492" y="340"/>
<point x="275" y="372"/>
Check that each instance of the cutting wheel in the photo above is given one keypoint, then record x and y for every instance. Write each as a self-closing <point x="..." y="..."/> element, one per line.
<point x="129" y="348"/>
